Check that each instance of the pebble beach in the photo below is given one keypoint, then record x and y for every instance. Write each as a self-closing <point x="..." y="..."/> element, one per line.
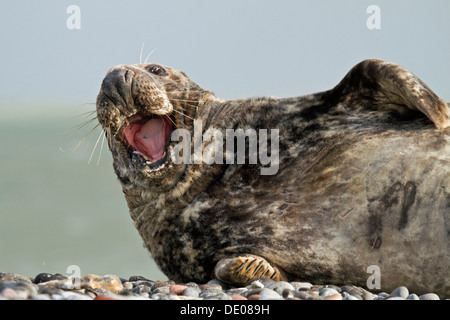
<point x="46" y="286"/>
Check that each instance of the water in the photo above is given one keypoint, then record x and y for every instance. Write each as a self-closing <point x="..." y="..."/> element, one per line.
<point x="57" y="210"/>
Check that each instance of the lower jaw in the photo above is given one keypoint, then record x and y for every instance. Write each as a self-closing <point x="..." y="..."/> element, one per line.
<point x="138" y="159"/>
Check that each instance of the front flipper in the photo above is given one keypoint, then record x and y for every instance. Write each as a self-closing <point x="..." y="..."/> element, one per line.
<point x="382" y="86"/>
<point x="242" y="269"/>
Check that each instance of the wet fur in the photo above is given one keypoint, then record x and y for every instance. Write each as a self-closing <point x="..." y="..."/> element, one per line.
<point x="364" y="179"/>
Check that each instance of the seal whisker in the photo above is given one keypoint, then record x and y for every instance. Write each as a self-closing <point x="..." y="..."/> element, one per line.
<point x="140" y="55"/>
<point x="101" y="149"/>
<point x="183" y="114"/>
<point x="95" y="147"/>
<point x="148" y="56"/>
<point x="75" y="147"/>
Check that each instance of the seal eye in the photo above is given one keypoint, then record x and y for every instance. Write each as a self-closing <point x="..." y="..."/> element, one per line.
<point x="158" y="70"/>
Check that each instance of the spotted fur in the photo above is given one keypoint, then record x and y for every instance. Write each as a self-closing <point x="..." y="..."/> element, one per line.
<point x="363" y="179"/>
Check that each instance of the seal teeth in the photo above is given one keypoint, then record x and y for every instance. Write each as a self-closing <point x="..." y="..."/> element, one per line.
<point x="152" y="162"/>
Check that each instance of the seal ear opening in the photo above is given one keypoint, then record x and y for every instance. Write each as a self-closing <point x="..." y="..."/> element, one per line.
<point x="387" y="86"/>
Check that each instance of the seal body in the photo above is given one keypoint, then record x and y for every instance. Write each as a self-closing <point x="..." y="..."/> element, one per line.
<point x="362" y="179"/>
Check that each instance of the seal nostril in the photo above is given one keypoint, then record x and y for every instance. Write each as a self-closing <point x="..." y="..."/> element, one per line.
<point x="128" y="75"/>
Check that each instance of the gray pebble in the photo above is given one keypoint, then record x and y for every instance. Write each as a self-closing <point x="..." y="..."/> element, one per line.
<point x="327" y="292"/>
<point x="255" y="285"/>
<point x="74" y="296"/>
<point x="214" y="294"/>
<point x="138" y="278"/>
<point x="412" y="296"/>
<point x="268" y="294"/>
<point x="266" y="281"/>
<point x="236" y="291"/>
<point x="394" y="298"/>
<point x="368" y="295"/>
<point x="127" y="285"/>
<point x="17" y="290"/>
<point x="302" y="294"/>
<point x="191" y="292"/>
<point x="288" y="293"/>
<point x="350" y="297"/>
<point x="400" y="292"/>
<point x="301" y="285"/>
<point x="41" y="296"/>
<point x="429" y="296"/>
<point x="332" y="286"/>
<point x="280" y="286"/>
<point x="158" y="290"/>
<point x="354" y="291"/>
<point x="14" y="277"/>
<point x="220" y="283"/>
<point x="248" y="293"/>
<point x="383" y="295"/>
<point x="140" y="289"/>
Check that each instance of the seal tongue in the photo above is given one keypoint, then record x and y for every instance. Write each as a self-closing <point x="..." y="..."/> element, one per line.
<point x="149" y="138"/>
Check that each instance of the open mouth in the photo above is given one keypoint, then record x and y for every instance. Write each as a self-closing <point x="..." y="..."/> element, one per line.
<point x="147" y="135"/>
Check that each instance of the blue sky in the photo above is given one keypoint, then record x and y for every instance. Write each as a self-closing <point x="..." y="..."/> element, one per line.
<point x="233" y="48"/>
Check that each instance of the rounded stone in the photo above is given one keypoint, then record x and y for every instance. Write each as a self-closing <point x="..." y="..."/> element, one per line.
<point x="217" y="295"/>
<point x="265" y="281"/>
<point x="429" y="296"/>
<point x="333" y="297"/>
<point x="140" y="289"/>
<point x="280" y="286"/>
<point x="138" y="278"/>
<point x="9" y="293"/>
<point x="210" y="286"/>
<point x="14" y="277"/>
<point x="191" y="292"/>
<point x="237" y="291"/>
<point x="44" y="277"/>
<point x="268" y="294"/>
<point x="109" y="282"/>
<point x="255" y="285"/>
<point x="354" y="291"/>
<point x="350" y="297"/>
<point x="383" y="295"/>
<point x="165" y="289"/>
<point x="368" y="295"/>
<point x="394" y="298"/>
<point x="332" y="286"/>
<point x="412" y="296"/>
<point x="324" y="292"/>
<point x="223" y="285"/>
<point x="288" y="293"/>
<point x="177" y="289"/>
<point x="301" y="285"/>
<point x="127" y="285"/>
<point x="400" y="292"/>
<point x="302" y="294"/>
<point x="238" y="297"/>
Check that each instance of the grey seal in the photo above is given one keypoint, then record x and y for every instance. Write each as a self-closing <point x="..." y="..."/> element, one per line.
<point x="362" y="179"/>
